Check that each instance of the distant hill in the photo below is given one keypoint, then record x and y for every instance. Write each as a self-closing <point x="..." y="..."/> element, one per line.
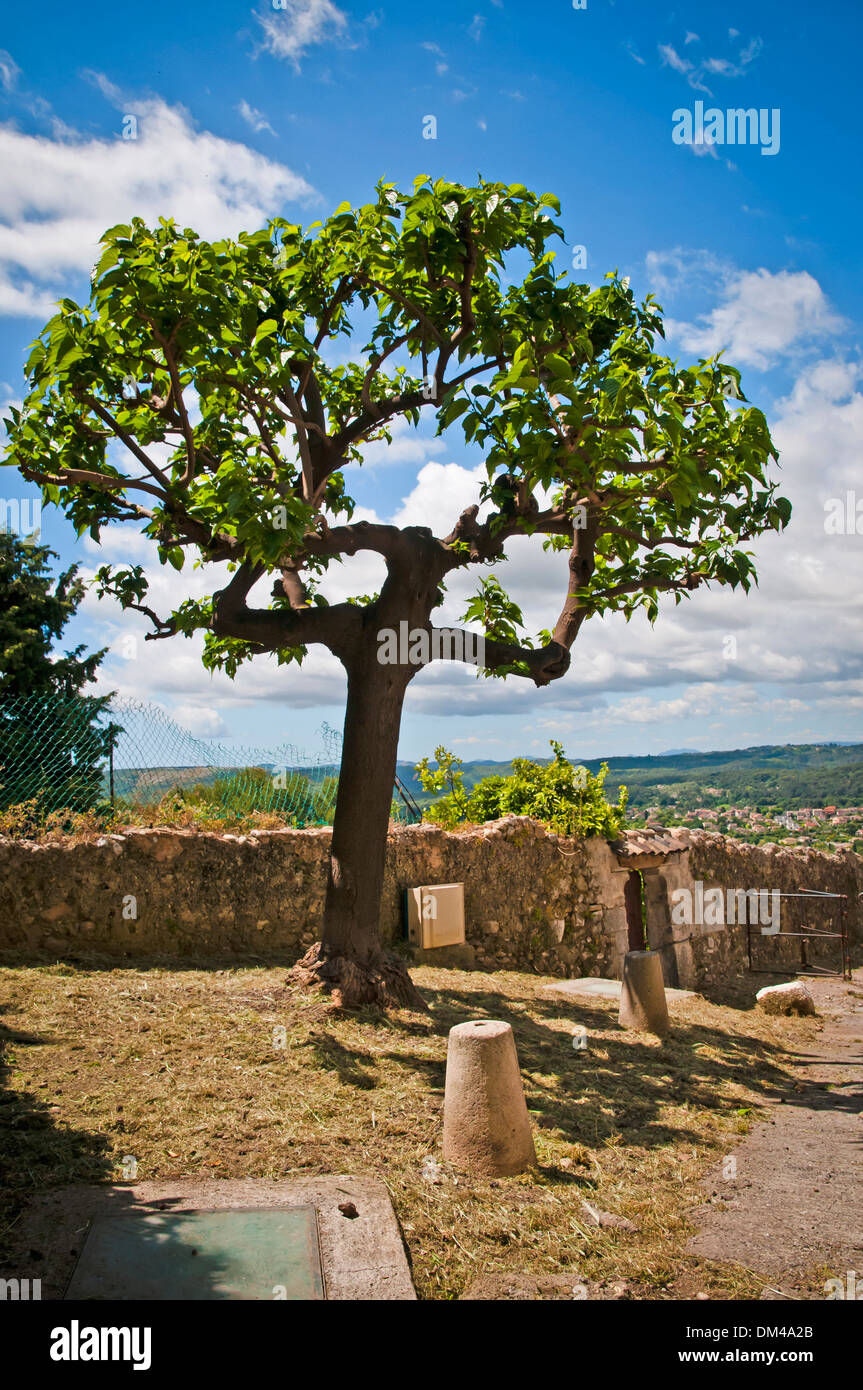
<point x="151" y="783"/>
<point x="784" y="775"/>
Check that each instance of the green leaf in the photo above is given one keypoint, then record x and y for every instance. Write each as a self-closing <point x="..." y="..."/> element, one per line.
<point x="266" y="330"/>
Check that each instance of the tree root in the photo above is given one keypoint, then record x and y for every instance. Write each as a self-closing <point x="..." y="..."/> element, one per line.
<point x="354" y="984"/>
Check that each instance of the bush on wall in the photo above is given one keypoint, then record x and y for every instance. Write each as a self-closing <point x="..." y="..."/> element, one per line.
<point x="569" y="799"/>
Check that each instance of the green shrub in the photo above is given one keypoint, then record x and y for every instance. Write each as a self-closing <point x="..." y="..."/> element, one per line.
<point x="570" y="800"/>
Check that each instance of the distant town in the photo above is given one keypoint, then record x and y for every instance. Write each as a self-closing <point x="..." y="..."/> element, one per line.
<point x="815" y="827"/>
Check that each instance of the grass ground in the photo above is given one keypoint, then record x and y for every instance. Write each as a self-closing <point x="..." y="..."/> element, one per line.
<point x="185" y="1068"/>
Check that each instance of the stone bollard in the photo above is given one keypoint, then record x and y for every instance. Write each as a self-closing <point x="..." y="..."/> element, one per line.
<point x="642" y="993"/>
<point x="486" y="1128"/>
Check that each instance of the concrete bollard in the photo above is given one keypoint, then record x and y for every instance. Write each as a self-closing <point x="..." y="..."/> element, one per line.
<point x="642" y="993"/>
<point x="486" y="1128"/>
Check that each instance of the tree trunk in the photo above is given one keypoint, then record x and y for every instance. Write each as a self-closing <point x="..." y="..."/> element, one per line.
<point x="350" y="962"/>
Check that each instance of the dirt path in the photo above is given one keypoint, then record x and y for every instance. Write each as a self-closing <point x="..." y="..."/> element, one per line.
<point x="793" y="1210"/>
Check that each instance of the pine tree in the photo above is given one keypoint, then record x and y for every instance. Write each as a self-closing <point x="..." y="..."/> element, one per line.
<point x="52" y="747"/>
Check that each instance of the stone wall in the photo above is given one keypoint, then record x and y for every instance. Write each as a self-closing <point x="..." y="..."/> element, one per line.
<point x="716" y="861"/>
<point x="533" y="900"/>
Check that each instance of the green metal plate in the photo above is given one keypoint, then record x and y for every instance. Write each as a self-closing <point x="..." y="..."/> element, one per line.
<point x="230" y="1254"/>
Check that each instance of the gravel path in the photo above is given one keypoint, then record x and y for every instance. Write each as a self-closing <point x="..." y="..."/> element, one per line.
<point x="793" y="1210"/>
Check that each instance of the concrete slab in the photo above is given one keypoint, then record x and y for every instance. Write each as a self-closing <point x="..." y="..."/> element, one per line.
<point x="594" y="988"/>
<point x="362" y="1256"/>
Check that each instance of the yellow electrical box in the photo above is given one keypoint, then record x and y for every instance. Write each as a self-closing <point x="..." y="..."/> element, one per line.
<point x="435" y="915"/>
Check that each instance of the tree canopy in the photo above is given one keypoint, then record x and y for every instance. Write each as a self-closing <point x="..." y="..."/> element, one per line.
<point x="650" y="474"/>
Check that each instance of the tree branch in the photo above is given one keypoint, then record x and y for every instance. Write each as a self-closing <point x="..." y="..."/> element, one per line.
<point x="465" y="292"/>
<point x="302" y="443"/>
<point x="650" y="542"/>
<point x="374" y="367"/>
<point x="544" y="664"/>
<point x="581" y="566"/>
<point x="100" y="480"/>
<point x="131" y="444"/>
<point x="177" y="391"/>
<point x="272" y="629"/>
<point x="689" y="582"/>
<point x="408" y="304"/>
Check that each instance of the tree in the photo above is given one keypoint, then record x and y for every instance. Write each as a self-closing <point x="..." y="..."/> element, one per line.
<point x="51" y="746"/>
<point x="647" y="475"/>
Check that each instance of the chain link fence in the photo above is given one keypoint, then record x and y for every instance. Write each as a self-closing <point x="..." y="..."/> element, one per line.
<point x="86" y="753"/>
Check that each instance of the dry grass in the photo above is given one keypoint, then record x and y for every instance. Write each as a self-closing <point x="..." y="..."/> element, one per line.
<point x="178" y="1066"/>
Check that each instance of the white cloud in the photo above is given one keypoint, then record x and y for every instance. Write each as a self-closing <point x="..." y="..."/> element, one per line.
<point x="440" y="494"/>
<point x="57" y="197"/>
<point x="476" y="27"/>
<point x="751" y="51"/>
<point x="679" y="268"/>
<point x="9" y="71"/>
<point x="672" y="59"/>
<point x="202" y="721"/>
<point x="698" y="701"/>
<point x="406" y="446"/>
<point x="718" y="67"/>
<point x="700" y="147"/>
<point x="763" y="316"/>
<point x="830" y="382"/>
<point x="299" y="25"/>
<point x="256" y="119"/>
<point x="26" y="302"/>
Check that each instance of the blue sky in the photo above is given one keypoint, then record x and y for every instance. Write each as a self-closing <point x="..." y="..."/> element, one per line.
<point x="244" y="113"/>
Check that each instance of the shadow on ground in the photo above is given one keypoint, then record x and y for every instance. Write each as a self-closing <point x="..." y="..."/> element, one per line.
<point x="37" y="1154"/>
<point x="620" y="1083"/>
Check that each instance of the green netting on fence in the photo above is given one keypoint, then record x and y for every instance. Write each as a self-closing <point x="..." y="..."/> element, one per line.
<point x="82" y="754"/>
